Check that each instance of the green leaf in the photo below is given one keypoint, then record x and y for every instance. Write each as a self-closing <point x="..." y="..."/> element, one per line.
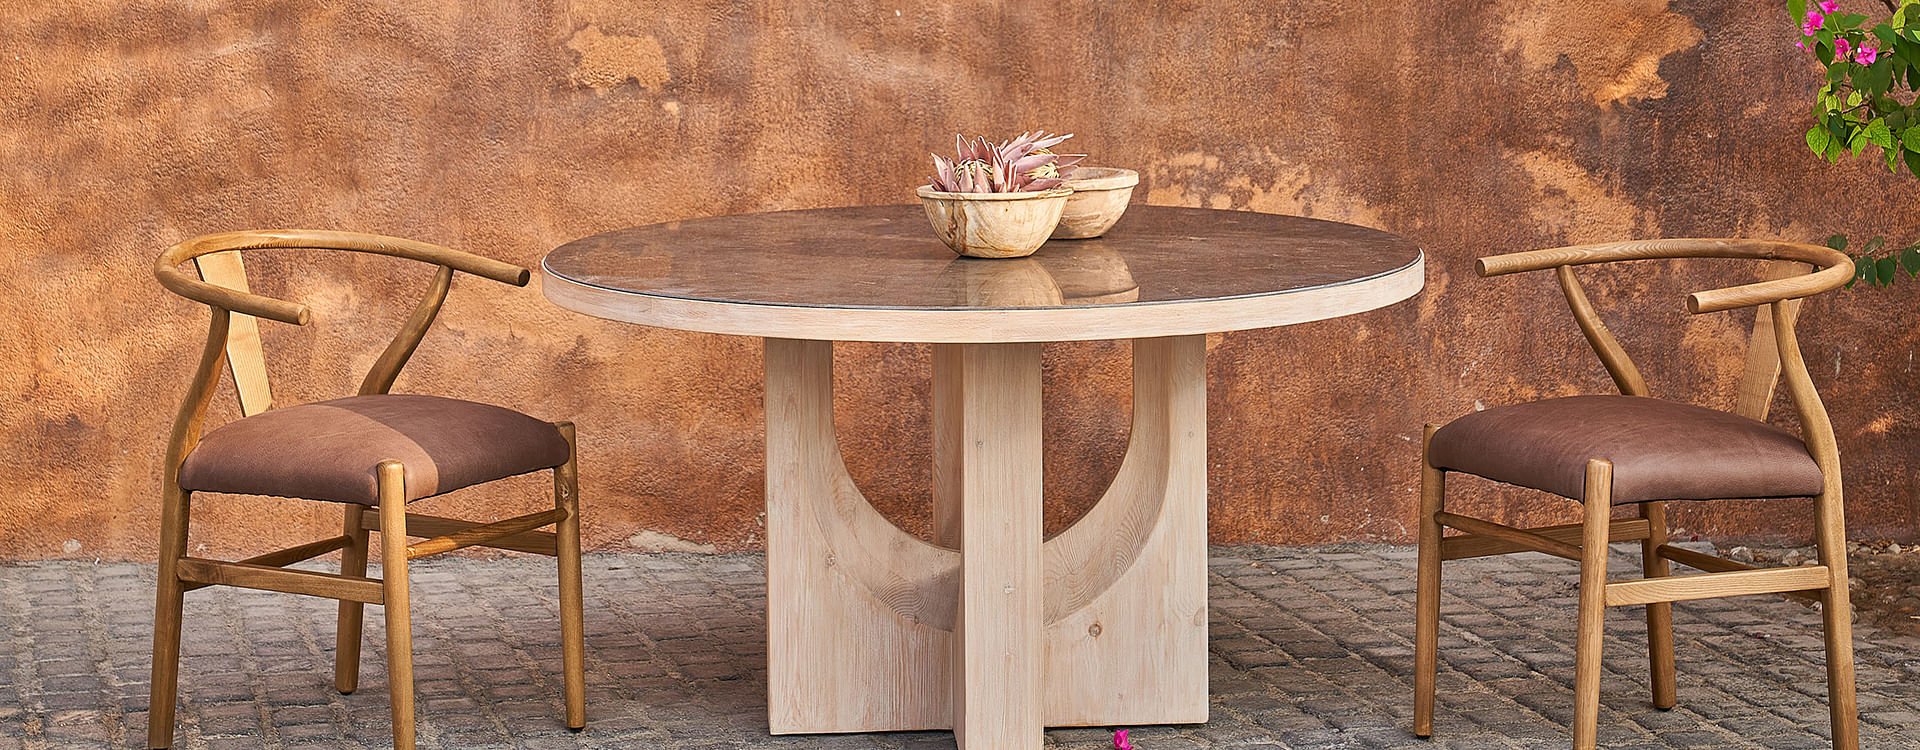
<point x="1848" y="21"/>
<point x="1862" y="270"/>
<point x="1878" y="134"/>
<point x="1818" y="138"/>
<point x="1796" y="10"/>
<point x="1886" y="36"/>
<point x="1837" y="242"/>
<point x="1880" y="74"/>
<point x="1858" y="142"/>
<point x="1911" y="138"/>
<point x="1913" y="161"/>
<point x="1884" y="270"/>
<point x="1910" y="260"/>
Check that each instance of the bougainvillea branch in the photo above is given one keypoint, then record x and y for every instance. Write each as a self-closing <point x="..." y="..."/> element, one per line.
<point x="1867" y="101"/>
<point x="1871" y="74"/>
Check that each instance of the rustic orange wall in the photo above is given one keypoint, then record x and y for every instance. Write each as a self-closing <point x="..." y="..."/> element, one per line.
<point x="509" y="128"/>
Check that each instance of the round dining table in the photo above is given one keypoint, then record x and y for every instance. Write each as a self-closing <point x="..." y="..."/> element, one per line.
<point x="987" y="628"/>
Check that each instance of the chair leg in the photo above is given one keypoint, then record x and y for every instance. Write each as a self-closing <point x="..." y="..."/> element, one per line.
<point x="1426" y="614"/>
<point x="353" y="562"/>
<point x="1659" y="614"/>
<point x="393" y="573"/>
<point x="170" y="600"/>
<point x="1837" y="612"/>
<point x="566" y="496"/>
<point x="1598" y="507"/>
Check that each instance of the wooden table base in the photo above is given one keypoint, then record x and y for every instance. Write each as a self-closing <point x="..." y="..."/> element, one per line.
<point x="993" y="632"/>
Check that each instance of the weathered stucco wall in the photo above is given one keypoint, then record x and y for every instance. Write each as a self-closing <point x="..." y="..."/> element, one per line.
<point x="509" y="128"/>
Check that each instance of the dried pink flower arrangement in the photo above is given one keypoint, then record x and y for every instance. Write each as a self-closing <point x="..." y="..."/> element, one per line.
<point x="1024" y="164"/>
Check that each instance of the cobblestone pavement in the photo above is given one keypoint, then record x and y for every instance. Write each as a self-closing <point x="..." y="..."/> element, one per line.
<point x="1311" y="648"/>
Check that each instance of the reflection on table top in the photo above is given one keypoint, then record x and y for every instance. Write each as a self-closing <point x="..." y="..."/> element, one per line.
<point x="877" y="273"/>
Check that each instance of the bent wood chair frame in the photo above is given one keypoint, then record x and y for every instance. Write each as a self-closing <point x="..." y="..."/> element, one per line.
<point x="1773" y="351"/>
<point x="233" y="338"/>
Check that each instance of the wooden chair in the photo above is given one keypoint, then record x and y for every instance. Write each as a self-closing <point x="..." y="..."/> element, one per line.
<point x="1632" y="449"/>
<point x="373" y="453"/>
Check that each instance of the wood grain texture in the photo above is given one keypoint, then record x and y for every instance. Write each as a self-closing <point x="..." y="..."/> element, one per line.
<point x="391" y="479"/>
<point x="246" y="358"/>
<point x="1626" y="376"/>
<point x="479" y="534"/>
<point x="1426" y="608"/>
<point x="1761" y="372"/>
<point x="268" y="578"/>
<point x="1660" y="669"/>
<point x="1088" y="323"/>
<point x="1123" y="607"/>
<point x="1835" y="268"/>
<point x="993" y="225"/>
<point x="997" y="648"/>
<point x="284" y="557"/>
<point x="1596" y="501"/>
<point x="386" y="368"/>
<point x="573" y="648"/>
<point x="175" y="518"/>
<point x="1708" y="585"/>
<point x="866" y="274"/>
<point x="167" y="270"/>
<point x="351" y="621"/>
<point x="849" y="648"/>
<point x="1836" y="610"/>
<point x="1469" y="545"/>
<point x="424" y="525"/>
<point x="1773" y="351"/>
<point x="1100" y="198"/>
<point x="1522" y="538"/>
<point x="1126" y="605"/>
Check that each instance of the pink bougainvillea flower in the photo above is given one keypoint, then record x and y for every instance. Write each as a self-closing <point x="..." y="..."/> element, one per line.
<point x="1830" y="6"/>
<point x="1842" y="48"/>
<point x="1866" y="54"/>
<point x="1812" y="22"/>
<point x="1120" y="741"/>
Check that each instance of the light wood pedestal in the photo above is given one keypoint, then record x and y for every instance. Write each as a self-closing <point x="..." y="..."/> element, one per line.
<point x="993" y="633"/>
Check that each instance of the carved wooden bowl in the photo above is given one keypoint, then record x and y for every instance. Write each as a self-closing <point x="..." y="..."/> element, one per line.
<point x="1100" y="196"/>
<point x="994" y="225"/>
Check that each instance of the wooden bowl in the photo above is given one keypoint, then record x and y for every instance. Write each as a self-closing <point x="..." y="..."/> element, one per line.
<point x="994" y="225"/>
<point x="1100" y="196"/>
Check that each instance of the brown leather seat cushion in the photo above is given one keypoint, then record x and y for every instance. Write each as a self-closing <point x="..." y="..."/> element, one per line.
<point x="328" y="450"/>
<point x="1661" y="450"/>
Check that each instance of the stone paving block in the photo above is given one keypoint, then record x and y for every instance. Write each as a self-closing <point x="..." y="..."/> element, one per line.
<point x="1310" y="649"/>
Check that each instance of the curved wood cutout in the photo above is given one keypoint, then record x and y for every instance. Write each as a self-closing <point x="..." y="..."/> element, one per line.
<point x="1086" y="558"/>
<point x="852" y="595"/>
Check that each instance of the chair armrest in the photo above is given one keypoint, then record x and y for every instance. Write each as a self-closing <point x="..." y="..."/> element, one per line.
<point x="168" y="272"/>
<point x="1834" y="267"/>
<point x="245" y="303"/>
<point x="1834" y="273"/>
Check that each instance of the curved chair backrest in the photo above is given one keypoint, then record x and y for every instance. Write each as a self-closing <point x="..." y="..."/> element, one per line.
<point x="234" y="336"/>
<point x="1795" y="271"/>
